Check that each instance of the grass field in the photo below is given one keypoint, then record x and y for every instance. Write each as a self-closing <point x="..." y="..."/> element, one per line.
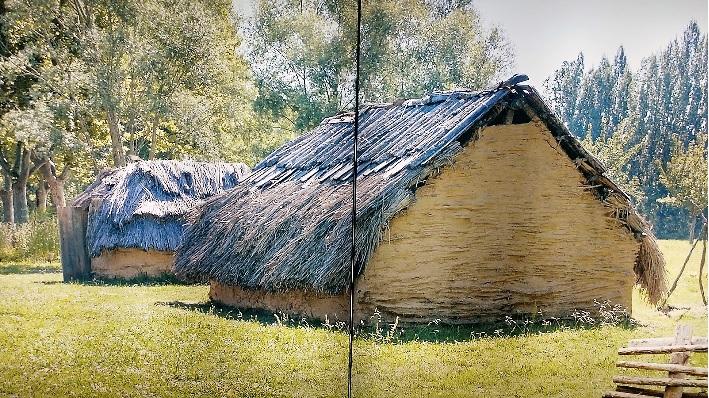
<point x="163" y="340"/>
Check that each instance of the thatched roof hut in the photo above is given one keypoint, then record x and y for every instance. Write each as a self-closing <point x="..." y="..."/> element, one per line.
<point x="469" y="205"/>
<point x="137" y="213"/>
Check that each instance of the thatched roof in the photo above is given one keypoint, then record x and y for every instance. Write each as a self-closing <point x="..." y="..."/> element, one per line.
<point x="144" y="204"/>
<point x="288" y="225"/>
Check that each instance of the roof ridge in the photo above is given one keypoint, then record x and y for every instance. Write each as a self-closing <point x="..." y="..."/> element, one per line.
<point x="433" y="97"/>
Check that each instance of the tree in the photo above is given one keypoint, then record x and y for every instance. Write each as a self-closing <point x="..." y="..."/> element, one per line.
<point x="28" y="126"/>
<point x="108" y="78"/>
<point x="665" y="99"/>
<point x="595" y="102"/>
<point x="53" y="122"/>
<point x="563" y="87"/>
<point x="685" y="177"/>
<point x="672" y="103"/>
<point x="147" y="59"/>
<point x="616" y="152"/>
<point x="302" y="54"/>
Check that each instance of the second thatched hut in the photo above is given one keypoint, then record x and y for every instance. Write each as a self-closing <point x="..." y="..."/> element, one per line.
<point x="136" y="214"/>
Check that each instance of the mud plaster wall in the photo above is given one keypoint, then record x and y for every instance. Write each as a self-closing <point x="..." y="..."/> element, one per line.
<point x="508" y="229"/>
<point x="307" y="304"/>
<point x="130" y="263"/>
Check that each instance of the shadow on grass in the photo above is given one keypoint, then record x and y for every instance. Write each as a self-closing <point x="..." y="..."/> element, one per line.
<point x="19" y="269"/>
<point x="265" y="318"/>
<point x="142" y="280"/>
<point x="437" y="332"/>
<point x="509" y="327"/>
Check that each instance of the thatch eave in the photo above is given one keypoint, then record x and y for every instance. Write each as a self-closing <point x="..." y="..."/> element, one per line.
<point x="143" y="206"/>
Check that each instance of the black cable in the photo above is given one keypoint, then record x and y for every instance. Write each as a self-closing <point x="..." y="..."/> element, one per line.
<point x="354" y="198"/>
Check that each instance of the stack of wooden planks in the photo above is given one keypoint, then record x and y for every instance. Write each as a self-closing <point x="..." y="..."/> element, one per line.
<point x="680" y="376"/>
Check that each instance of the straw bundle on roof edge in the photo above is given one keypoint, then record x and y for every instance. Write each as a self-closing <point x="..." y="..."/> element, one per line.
<point x="650" y="269"/>
<point x="287" y="225"/>
<point x="143" y="205"/>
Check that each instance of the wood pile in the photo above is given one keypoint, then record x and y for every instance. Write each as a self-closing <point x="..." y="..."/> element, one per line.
<point x="680" y="375"/>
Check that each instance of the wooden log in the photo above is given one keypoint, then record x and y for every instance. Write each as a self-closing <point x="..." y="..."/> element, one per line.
<point x="640" y="391"/>
<point x="683" y="335"/>
<point x="690" y="370"/>
<point x="659" y="381"/>
<point x="65" y="240"/>
<point x="657" y="393"/>
<point x="618" y="394"/>
<point x="660" y="341"/>
<point x="663" y="349"/>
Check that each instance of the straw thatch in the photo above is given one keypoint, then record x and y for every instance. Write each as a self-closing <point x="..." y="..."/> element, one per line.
<point x="144" y="204"/>
<point x="287" y="225"/>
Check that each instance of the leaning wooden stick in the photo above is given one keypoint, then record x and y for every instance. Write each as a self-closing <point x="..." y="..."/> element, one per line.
<point x="701" y="267"/>
<point x="686" y="260"/>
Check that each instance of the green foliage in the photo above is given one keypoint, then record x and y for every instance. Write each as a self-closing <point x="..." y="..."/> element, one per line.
<point x="302" y="54"/>
<point x="168" y="73"/>
<point x="666" y="99"/>
<point x="616" y="151"/>
<point x="594" y="102"/>
<point x="685" y="175"/>
<point x="49" y="112"/>
<point x="86" y="83"/>
<point x="147" y="78"/>
<point x="36" y="240"/>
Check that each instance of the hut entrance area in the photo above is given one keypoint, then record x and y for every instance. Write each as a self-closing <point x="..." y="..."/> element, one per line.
<point x="470" y="206"/>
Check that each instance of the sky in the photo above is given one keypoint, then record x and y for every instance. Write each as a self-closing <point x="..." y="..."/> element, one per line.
<point x="545" y="33"/>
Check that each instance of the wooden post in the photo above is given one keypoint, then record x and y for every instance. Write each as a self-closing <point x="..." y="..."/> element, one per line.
<point x="76" y="263"/>
<point x="509" y="116"/>
<point x="683" y="336"/>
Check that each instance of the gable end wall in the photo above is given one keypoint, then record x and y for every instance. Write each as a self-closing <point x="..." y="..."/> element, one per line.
<point x="509" y="229"/>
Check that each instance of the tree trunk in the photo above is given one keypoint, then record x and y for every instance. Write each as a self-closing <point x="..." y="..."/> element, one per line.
<point x="8" y="208"/>
<point x="23" y="169"/>
<point x="119" y="156"/>
<point x="153" y="137"/>
<point x="19" y="198"/>
<point x="56" y="183"/>
<point x="692" y="227"/>
<point x="57" y="189"/>
<point x="42" y="197"/>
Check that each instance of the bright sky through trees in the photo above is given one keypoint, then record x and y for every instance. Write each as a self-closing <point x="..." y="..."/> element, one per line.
<point x="545" y="33"/>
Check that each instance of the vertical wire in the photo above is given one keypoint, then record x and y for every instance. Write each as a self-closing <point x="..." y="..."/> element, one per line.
<point x="354" y="198"/>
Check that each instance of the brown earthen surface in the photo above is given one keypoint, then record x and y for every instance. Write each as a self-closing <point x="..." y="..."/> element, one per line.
<point x="510" y="228"/>
<point x="307" y="304"/>
<point x="130" y="263"/>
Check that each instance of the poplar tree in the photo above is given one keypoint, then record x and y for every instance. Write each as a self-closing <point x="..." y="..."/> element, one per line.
<point x="663" y="103"/>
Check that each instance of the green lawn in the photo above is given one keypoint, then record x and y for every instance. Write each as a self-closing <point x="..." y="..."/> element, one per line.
<point x="161" y="340"/>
